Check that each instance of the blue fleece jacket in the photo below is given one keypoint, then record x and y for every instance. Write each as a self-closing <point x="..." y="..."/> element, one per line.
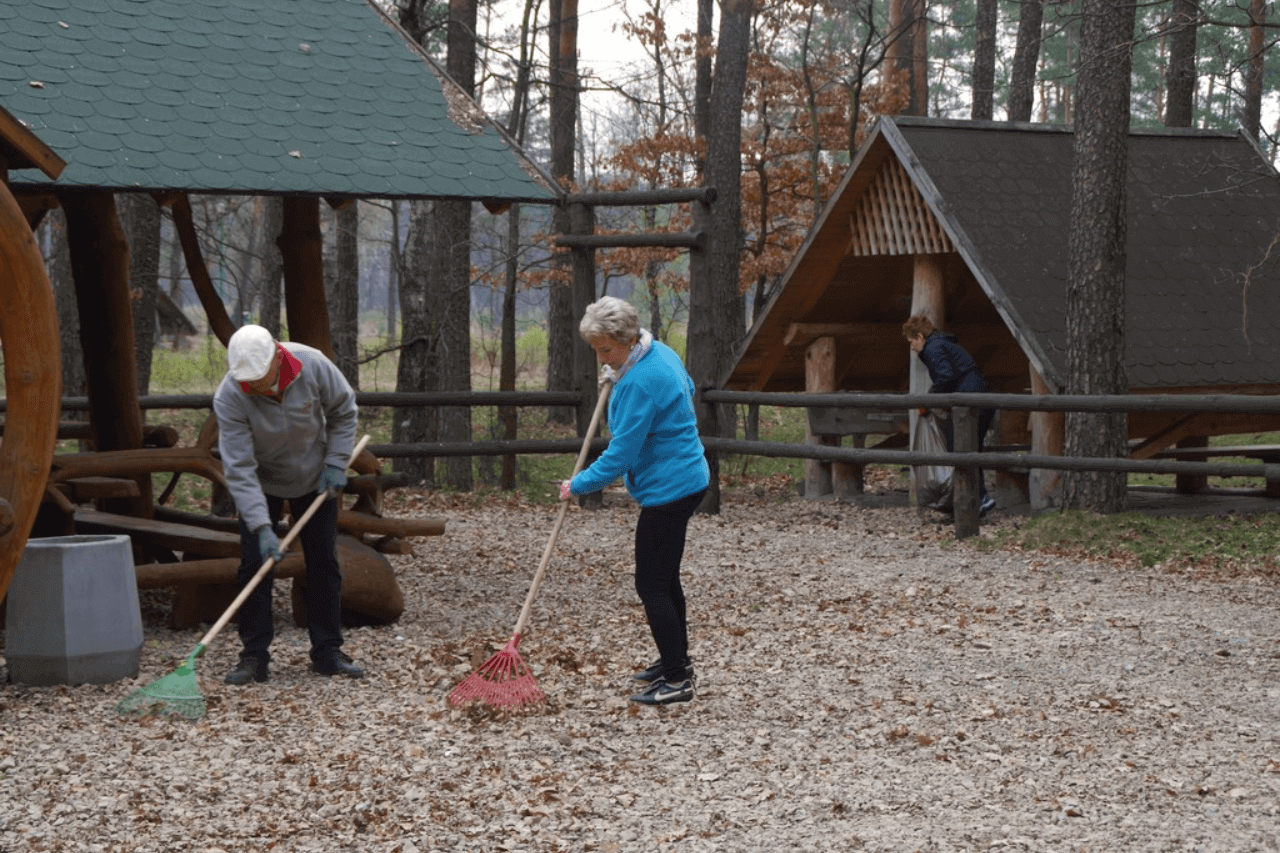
<point x="654" y="440"/>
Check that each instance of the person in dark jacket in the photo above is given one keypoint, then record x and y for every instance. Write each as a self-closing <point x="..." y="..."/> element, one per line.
<point x="952" y="370"/>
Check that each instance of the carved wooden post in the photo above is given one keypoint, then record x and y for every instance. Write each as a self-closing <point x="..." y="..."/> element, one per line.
<point x="301" y="252"/>
<point x="819" y="378"/>
<point x="1048" y="433"/>
<point x="964" y="439"/>
<point x="1190" y="484"/>
<point x="927" y="298"/>
<point x="100" y="268"/>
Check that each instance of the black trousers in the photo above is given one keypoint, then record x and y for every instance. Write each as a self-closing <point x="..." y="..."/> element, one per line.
<point x="660" y="538"/>
<point x="324" y="582"/>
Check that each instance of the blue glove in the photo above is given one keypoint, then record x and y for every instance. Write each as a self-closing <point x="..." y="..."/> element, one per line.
<point x="269" y="544"/>
<point x="333" y="479"/>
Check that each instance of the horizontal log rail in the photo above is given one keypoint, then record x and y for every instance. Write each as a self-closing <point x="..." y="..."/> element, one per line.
<point x="1224" y="403"/>
<point x="644" y="198"/>
<point x="399" y="399"/>
<point x="646" y="240"/>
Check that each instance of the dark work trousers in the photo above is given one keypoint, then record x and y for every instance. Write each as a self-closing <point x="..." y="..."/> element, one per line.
<point x="324" y="581"/>
<point x="660" y="535"/>
<point x="984" y="423"/>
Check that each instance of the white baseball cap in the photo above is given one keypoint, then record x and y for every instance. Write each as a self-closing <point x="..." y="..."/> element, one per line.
<point x="249" y="353"/>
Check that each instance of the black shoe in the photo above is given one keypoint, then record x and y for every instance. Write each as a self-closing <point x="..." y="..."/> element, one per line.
<point x="337" y="664"/>
<point x="662" y="692"/>
<point x="988" y="504"/>
<point x="249" y="669"/>
<point x="654" y="672"/>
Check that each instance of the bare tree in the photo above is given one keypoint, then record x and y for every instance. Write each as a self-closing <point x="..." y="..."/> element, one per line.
<point x="140" y="216"/>
<point x="1097" y="250"/>
<point x="271" y="277"/>
<point x="344" y="306"/>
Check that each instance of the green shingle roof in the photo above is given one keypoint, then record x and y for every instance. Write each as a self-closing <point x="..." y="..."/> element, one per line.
<point x="324" y="97"/>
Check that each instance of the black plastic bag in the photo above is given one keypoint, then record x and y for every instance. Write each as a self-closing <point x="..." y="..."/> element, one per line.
<point x="934" y="483"/>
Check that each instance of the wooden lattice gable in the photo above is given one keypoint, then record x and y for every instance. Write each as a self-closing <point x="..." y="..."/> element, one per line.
<point x="892" y="218"/>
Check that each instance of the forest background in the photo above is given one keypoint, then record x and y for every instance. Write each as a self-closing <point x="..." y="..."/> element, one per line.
<point x="766" y="101"/>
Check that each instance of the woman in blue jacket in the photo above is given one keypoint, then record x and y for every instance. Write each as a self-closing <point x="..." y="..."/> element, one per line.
<point x="655" y="448"/>
<point x="951" y="369"/>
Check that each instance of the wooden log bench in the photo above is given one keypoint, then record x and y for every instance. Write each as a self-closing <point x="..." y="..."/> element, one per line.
<point x="1268" y="454"/>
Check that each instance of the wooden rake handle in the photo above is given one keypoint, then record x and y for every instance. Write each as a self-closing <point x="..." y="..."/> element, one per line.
<point x="294" y="530"/>
<point x="564" y="510"/>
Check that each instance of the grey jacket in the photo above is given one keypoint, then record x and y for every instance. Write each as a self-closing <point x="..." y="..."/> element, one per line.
<point x="282" y="448"/>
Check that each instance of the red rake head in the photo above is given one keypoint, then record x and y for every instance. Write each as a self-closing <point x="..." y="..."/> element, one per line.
<point x="503" y="681"/>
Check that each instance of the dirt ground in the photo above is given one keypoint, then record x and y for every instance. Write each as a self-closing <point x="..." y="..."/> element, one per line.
<point x="865" y="683"/>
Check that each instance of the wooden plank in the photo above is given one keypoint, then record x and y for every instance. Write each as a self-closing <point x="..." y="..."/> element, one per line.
<point x="183" y="538"/>
<point x="23" y="149"/>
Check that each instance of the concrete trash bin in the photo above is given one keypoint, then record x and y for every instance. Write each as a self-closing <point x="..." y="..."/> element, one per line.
<point x="73" y="615"/>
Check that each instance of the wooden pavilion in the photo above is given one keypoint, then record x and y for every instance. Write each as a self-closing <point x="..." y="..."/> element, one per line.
<point x="306" y="99"/>
<point x="967" y="222"/>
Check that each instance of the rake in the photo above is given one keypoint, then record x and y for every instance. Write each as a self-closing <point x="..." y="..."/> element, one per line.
<point x="505" y="680"/>
<point x="178" y="693"/>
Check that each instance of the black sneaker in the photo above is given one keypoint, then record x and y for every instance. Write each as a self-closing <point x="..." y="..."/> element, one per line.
<point x="249" y="669"/>
<point x="988" y="504"/>
<point x="662" y="692"/>
<point x="338" y="664"/>
<point x="654" y="672"/>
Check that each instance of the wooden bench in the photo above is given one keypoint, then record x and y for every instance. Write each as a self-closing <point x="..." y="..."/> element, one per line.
<point x="1268" y="454"/>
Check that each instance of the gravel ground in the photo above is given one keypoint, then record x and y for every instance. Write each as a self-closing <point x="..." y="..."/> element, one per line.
<point x="865" y="684"/>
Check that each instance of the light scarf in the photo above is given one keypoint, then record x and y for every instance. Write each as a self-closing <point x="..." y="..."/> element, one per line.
<point x="641" y="347"/>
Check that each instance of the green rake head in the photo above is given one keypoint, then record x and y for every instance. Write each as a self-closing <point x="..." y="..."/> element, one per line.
<point x="175" y="695"/>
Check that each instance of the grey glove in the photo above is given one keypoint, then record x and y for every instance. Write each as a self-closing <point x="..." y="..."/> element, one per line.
<point x="333" y="479"/>
<point x="269" y="544"/>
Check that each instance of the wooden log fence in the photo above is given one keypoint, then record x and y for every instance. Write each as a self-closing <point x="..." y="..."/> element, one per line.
<point x="965" y="459"/>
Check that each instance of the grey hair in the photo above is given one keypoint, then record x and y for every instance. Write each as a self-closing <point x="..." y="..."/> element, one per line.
<point x="610" y="317"/>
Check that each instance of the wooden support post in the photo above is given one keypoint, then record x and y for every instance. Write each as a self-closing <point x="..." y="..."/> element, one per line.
<point x="848" y="478"/>
<point x="301" y="252"/>
<point x="819" y="378"/>
<point x="1048" y="434"/>
<point x="100" y="268"/>
<point x="964" y="436"/>
<point x="927" y="298"/>
<point x="1190" y="484"/>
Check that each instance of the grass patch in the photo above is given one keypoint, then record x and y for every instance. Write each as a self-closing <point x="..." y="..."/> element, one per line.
<point x="1216" y="542"/>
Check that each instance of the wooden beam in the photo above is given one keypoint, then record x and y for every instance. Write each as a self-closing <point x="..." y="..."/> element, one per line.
<point x="22" y="149"/>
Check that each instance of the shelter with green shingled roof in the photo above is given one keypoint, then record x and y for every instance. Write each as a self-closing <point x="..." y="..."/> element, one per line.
<point x="308" y="100"/>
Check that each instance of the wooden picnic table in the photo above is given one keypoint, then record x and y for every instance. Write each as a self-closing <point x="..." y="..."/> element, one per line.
<point x="1268" y="454"/>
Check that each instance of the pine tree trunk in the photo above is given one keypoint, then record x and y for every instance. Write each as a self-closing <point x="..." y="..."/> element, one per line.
<point x="1097" y="251"/>
<point x="1026" y="58"/>
<point x="984" y="62"/>
<point x="1251" y="121"/>
<point x="715" y="315"/>
<point x="562" y="31"/>
<point x="1179" y="110"/>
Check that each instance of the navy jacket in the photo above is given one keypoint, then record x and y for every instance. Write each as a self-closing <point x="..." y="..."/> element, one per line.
<point x="950" y="367"/>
